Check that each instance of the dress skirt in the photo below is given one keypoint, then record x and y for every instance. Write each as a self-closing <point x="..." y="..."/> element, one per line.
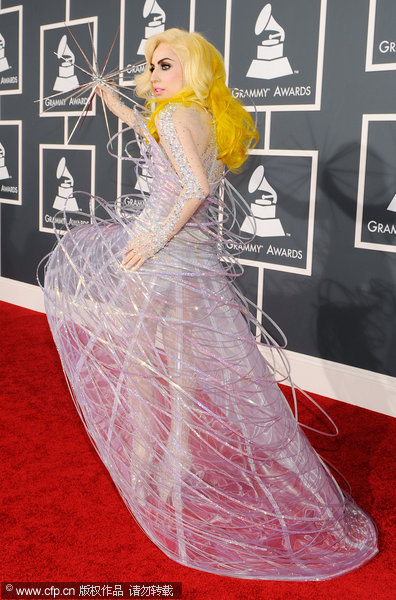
<point x="181" y="405"/>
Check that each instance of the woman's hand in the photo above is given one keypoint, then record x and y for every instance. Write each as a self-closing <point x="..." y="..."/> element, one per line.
<point x="139" y="250"/>
<point x="114" y="103"/>
<point x="109" y="96"/>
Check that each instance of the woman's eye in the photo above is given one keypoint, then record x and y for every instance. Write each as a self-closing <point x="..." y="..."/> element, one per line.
<point x="165" y="66"/>
<point x="151" y="69"/>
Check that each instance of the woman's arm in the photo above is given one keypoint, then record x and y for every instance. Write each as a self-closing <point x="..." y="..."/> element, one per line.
<point x="177" y="135"/>
<point x="144" y="247"/>
<point x="115" y="105"/>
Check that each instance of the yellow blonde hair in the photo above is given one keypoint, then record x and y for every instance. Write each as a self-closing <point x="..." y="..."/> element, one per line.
<point x="204" y="79"/>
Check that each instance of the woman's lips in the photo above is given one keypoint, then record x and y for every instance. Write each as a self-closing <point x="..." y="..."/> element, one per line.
<point x="158" y="91"/>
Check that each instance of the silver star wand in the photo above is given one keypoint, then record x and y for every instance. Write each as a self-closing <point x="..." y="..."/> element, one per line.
<point x="97" y="79"/>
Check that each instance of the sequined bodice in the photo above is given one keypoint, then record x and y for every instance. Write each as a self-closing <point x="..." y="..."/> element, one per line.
<point x="183" y="166"/>
<point x="213" y="167"/>
<point x="191" y="167"/>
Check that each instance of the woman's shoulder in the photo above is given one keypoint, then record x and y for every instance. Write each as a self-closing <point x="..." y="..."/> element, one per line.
<point x="192" y="114"/>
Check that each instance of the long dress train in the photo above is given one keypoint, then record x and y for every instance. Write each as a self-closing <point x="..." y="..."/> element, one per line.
<point x="174" y="392"/>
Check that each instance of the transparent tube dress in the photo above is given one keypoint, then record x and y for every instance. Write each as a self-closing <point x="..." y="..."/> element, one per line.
<point x="180" y="403"/>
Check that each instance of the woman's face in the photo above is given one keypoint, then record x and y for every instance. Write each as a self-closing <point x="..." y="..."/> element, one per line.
<point x="166" y="72"/>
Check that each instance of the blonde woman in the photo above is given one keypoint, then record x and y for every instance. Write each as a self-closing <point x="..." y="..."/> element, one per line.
<point x="156" y="341"/>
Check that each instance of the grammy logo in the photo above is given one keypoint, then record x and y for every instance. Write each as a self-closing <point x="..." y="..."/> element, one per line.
<point x="392" y="204"/>
<point x="65" y="199"/>
<point x="3" y="169"/>
<point x="270" y="62"/>
<point x="66" y="80"/>
<point x="157" y="25"/>
<point x="264" y="221"/>
<point x="3" y="59"/>
<point x="142" y="182"/>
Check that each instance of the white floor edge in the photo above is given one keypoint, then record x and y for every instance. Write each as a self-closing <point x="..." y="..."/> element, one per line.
<point x="352" y="385"/>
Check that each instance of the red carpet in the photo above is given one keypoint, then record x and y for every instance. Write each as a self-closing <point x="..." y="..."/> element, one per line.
<point x="63" y="519"/>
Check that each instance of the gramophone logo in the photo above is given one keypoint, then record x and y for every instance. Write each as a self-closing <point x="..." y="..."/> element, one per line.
<point x="4" y="66"/>
<point x="64" y="50"/>
<point x="392" y="204"/>
<point x="278" y="229"/>
<point x="264" y="221"/>
<point x="11" y="50"/>
<point x="131" y="179"/>
<point x="274" y="53"/>
<point x="65" y="199"/>
<point x="10" y="162"/>
<point x="3" y="169"/>
<point x="66" y="185"/>
<point x="142" y="181"/>
<point x="270" y="62"/>
<point x="156" y="24"/>
<point x="137" y="25"/>
<point x="375" y="227"/>
<point x="66" y="79"/>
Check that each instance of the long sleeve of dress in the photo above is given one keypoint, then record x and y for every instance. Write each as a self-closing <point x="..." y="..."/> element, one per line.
<point x="178" y="127"/>
<point x="181" y="130"/>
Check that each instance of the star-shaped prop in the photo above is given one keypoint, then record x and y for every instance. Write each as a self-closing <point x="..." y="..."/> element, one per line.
<point x="97" y="79"/>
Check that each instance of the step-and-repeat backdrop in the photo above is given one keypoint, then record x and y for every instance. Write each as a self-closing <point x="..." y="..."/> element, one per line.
<point x="321" y="182"/>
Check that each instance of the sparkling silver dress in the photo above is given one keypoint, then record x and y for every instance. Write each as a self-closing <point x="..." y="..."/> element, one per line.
<point x="171" y="385"/>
